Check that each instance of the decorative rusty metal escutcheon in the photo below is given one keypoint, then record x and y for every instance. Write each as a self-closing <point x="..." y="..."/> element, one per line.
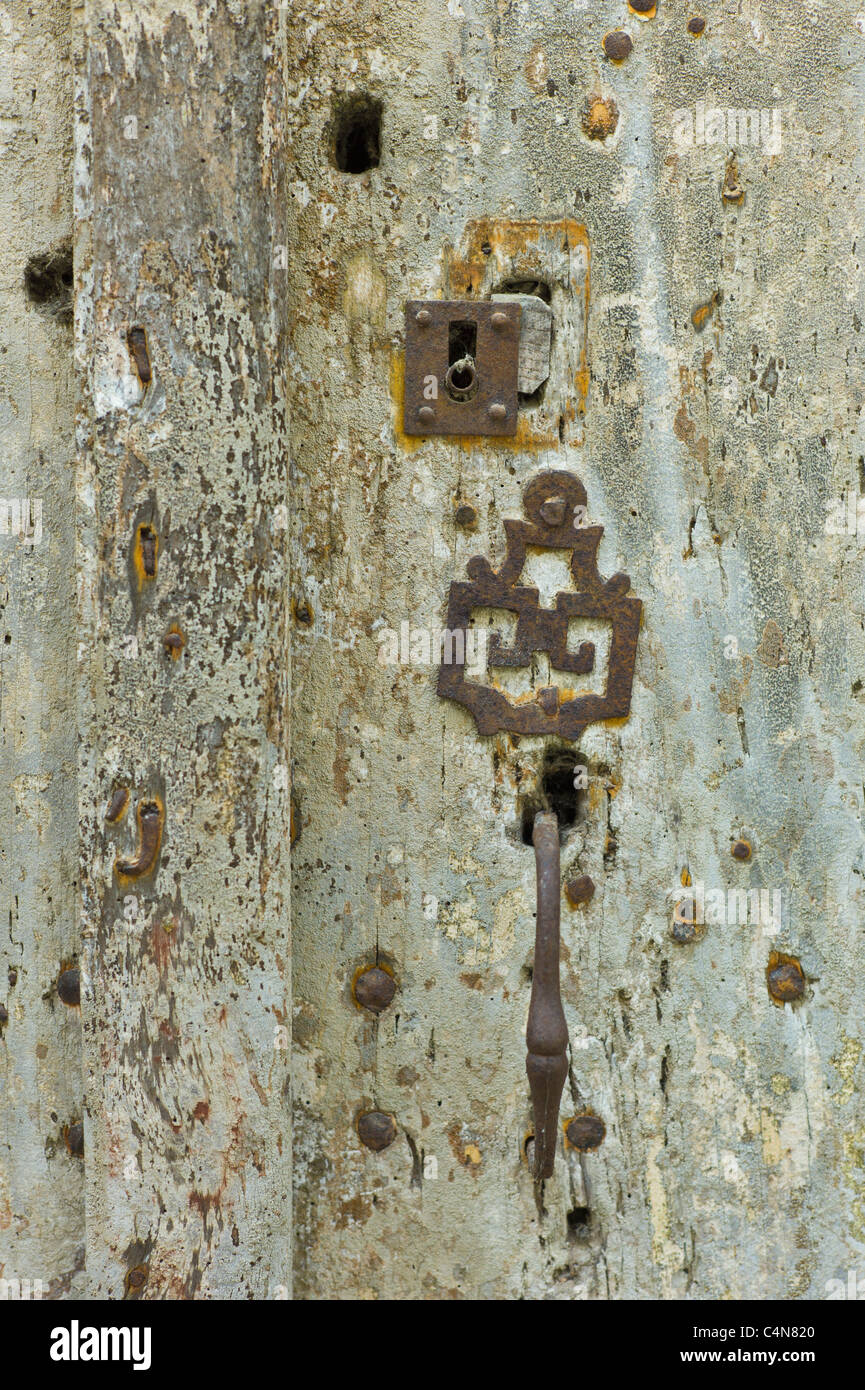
<point x="554" y="502"/>
<point x="462" y="361"/>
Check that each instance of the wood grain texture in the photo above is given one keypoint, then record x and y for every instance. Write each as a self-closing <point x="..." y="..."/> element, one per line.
<point x="182" y="491"/>
<point x="715" y="343"/>
<point x="41" y="1182"/>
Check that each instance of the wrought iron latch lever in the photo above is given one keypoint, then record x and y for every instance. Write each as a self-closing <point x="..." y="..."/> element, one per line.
<point x="547" y="1031"/>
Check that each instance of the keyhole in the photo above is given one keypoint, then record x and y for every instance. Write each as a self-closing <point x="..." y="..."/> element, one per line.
<point x="461" y="379"/>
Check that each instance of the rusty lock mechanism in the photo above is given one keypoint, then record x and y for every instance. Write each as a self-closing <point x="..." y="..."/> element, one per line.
<point x="462" y="360"/>
<point x="555" y="505"/>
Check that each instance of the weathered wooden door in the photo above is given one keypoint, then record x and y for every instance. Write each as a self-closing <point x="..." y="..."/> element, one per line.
<point x="260" y="189"/>
<point x="144" y="819"/>
<point x="684" y="190"/>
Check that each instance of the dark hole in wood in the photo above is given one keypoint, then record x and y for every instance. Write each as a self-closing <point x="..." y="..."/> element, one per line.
<point x="525" y="285"/>
<point x="357" y="134"/>
<point x="462" y="340"/>
<point x="48" y="281"/>
<point x="578" y="1220"/>
<point x="558" y="793"/>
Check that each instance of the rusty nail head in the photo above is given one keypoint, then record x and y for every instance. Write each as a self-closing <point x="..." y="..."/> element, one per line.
<point x="376" y="1130"/>
<point x="785" y="981"/>
<point x="617" y="45"/>
<point x="696" y="24"/>
<point x="137" y="1278"/>
<point x="173" y="640"/>
<point x="497" y="411"/>
<point x="466" y="515"/>
<point x="499" y="320"/>
<point x="642" y="6"/>
<point x="426" y="414"/>
<point x="13" y="976"/>
<point x="75" y="1138"/>
<point x="4" y="1014"/>
<point x="374" y="989"/>
<point x="585" y="1132"/>
<point x="423" y="317"/>
<point x="741" y="850"/>
<point x="579" y="890"/>
<point x="552" y="512"/>
<point x="69" y="986"/>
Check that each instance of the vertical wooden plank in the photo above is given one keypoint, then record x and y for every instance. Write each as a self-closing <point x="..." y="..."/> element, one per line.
<point x="183" y="694"/>
<point x="722" y="389"/>
<point x="41" y="1180"/>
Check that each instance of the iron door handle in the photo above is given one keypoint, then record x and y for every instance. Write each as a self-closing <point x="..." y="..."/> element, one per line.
<point x="547" y="1031"/>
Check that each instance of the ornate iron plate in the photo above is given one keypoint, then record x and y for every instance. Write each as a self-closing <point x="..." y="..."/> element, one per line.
<point x="553" y="502"/>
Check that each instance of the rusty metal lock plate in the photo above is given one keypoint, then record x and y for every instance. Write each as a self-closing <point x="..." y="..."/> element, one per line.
<point x="462" y="362"/>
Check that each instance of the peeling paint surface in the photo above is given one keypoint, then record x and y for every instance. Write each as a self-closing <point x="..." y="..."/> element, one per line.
<point x="246" y="237"/>
<point x="182" y="488"/>
<point x="41" y="1182"/>
<point x="706" y="386"/>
